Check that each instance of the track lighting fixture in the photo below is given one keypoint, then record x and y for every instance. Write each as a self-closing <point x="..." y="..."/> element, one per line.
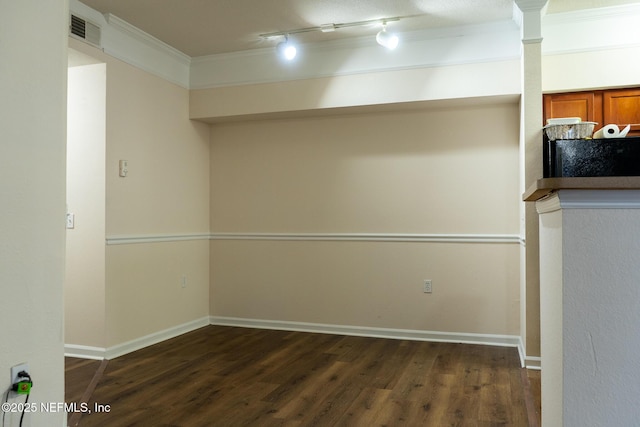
<point x="287" y="49"/>
<point x="388" y="40"/>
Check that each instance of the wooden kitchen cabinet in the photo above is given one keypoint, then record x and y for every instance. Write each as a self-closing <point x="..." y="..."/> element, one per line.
<point x="622" y="107"/>
<point x="613" y="106"/>
<point x="586" y="105"/>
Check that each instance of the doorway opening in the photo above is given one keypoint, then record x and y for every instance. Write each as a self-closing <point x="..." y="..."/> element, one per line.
<point x="84" y="289"/>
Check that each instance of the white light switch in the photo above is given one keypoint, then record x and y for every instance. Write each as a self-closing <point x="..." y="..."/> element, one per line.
<point x="124" y="168"/>
<point x="71" y="220"/>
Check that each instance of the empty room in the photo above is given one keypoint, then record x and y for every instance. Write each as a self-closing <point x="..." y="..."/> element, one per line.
<point x="306" y="213"/>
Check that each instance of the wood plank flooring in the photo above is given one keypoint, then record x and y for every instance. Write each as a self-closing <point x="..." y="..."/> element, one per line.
<point x="225" y="376"/>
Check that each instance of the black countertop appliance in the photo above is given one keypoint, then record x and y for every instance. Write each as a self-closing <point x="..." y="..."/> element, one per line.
<point x="591" y="157"/>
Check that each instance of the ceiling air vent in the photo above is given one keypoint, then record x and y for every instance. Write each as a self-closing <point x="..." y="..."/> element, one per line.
<point x="85" y="30"/>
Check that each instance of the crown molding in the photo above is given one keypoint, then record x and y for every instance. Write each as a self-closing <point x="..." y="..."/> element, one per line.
<point x="502" y="26"/>
<point x="490" y="42"/>
<point x="592" y="15"/>
<point x="567" y="32"/>
<point x="591" y="30"/>
<point x="133" y="46"/>
<point x="147" y="39"/>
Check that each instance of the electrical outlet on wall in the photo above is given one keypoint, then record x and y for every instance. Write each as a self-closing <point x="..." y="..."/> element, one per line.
<point x="427" y="286"/>
<point x="15" y="370"/>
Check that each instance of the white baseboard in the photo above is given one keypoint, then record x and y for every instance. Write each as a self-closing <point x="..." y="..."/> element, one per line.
<point x="98" y="353"/>
<point x="364" y="331"/>
<point x="533" y="362"/>
<point x="86" y="352"/>
<point x="529" y="362"/>
<point x="138" y="343"/>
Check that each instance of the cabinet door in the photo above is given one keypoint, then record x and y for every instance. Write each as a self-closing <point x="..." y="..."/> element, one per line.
<point x="622" y="107"/>
<point x="586" y="105"/>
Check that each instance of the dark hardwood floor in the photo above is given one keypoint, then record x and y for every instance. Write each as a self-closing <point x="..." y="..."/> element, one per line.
<point x="534" y="399"/>
<point x="224" y="376"/>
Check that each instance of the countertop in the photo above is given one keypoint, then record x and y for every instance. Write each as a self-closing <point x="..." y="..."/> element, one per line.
<point x="545" y="186"/>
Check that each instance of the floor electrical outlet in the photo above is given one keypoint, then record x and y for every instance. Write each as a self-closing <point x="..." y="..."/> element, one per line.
<point x="427" y="287"/>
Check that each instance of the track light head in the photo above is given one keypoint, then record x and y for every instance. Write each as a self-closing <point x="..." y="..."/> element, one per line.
<point x="286" y="49"/>
<point x="388" y="40"/>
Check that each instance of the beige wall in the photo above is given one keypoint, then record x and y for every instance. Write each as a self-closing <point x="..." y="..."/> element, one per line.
<point x="148" y="124"/>
<point x="531" y="170"/>
<point x="85" y="254"/>
<point x="144" y="287"/>
<point x="442" y="171"/>
<point x="589" y="70"/>
<point x="421" y="171"/>
<point x="373" y="284"/>
<point x="405" y="171"/>
<point x="166" y="193"/>
<point x="32" y="199"/>
<point x="463" y="81"/>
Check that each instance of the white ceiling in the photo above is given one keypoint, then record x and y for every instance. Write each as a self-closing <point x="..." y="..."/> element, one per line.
<point x="206" y="27"/>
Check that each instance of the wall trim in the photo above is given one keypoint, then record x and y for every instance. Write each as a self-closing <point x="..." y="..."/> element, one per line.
<point x="155" y="238"/>
<point x="548" y="204"/>
<point x="592" y="15"/>
<point x="590" y="30"/>
<point x="98" y="353"/>
<point x="365" y="331"/>
<point x="84" y="351"/>
<point x="533" y="362"/>
<point x="154" y="338"/>
<point x="489" y="42"/>
<point x="349" y="237"/>
<point x="147" y="39"/>
<point x="128" y="43"/>
<point x="529" y="362"/>
<point x="599" y="199"/>
<point x="590" y="49"/>
<point x="141" y="50"/>
<point x="375" y="237"/>
<point x="593" y="29"/>
<point x="589" y="199"/>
